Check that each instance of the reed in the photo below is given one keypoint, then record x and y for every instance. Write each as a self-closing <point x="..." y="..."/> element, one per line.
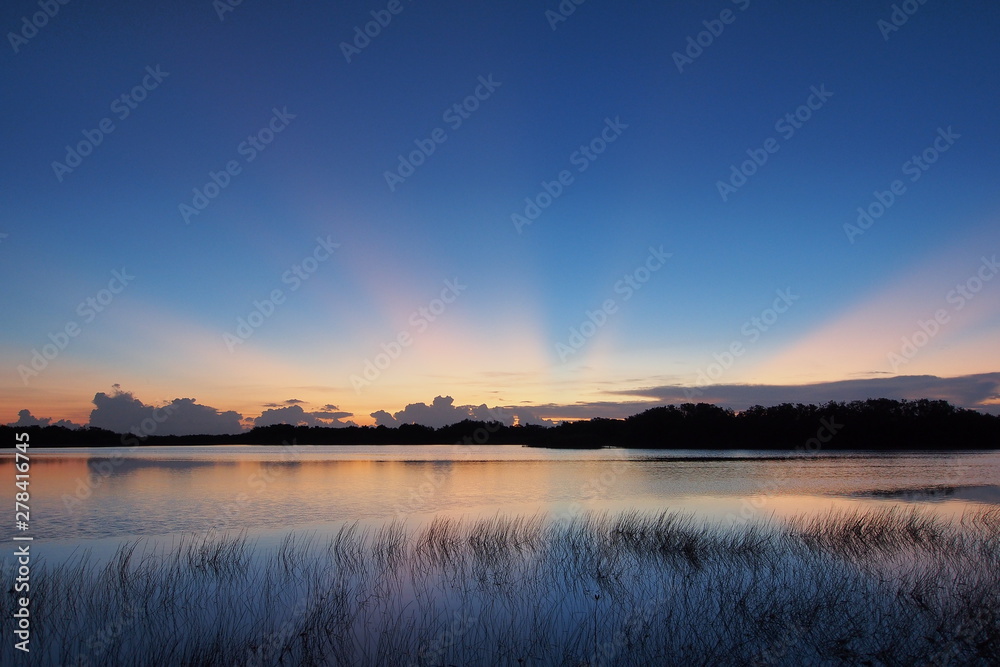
<point x="878" y="587"/>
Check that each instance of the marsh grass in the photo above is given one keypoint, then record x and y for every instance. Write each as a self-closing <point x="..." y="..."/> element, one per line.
<point x="876" y="587"/>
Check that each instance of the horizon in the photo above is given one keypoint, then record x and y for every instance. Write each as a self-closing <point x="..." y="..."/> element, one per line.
<point x="563" y="214"/>
<point x="122" y="412"/>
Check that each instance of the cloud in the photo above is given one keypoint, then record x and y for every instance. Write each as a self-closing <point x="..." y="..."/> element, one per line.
<point x="979" y="392"/>
<point x="526" y="416"/>
<point x="24" y="418"/>
<point x="297" y="416"/>
<point x="550" y="413"/>
<point x="290" y="401"/>
<point x="443" y="412"/>
<point x="122" y="412"/>
<point x="968" y="391"/>
<point x="383" y="418"/>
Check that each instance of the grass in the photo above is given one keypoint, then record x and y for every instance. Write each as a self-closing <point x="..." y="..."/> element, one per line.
<point x="877" y="587"/>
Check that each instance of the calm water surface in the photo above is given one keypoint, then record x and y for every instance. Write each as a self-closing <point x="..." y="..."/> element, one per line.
<point x="81" y="497"/>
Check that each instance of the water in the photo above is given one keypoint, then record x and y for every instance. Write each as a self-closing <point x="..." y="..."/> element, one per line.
<point x="639" y="589"/>
<point x="79" y="496"/>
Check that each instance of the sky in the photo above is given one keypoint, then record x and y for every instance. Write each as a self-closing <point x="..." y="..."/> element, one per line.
<point x="336" y="213"/>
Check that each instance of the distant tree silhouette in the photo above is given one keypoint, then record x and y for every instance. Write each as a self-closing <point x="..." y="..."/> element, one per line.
<point x="877" y="424"/>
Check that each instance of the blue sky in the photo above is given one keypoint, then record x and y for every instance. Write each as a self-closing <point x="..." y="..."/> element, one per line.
<point x="323" y="177"/>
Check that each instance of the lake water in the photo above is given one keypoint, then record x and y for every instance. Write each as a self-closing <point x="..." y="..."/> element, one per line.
<point x="90" y="497"/>
<point x="271" y="555"/>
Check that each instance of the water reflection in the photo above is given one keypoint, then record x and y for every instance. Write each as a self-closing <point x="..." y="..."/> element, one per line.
<point x="79" y="494"/>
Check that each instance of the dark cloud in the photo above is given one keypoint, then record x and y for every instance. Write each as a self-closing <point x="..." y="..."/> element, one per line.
<point x="333" y="414"/>
<point x="290" y="401"/>
<point x="968" y="391"/>
<point x="980" y="392"/>
<point x="24" y="418"/>
<point x="122" y="412"/>
<point x="554" y="412"/>
<point x="295" y="415"/>
<point x="383" y="418"/>
<point x="527" y="416"/>
<point x="443" y="412"/>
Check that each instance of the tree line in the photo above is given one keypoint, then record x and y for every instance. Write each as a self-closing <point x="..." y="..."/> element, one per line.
<point x="876" y="424"/>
